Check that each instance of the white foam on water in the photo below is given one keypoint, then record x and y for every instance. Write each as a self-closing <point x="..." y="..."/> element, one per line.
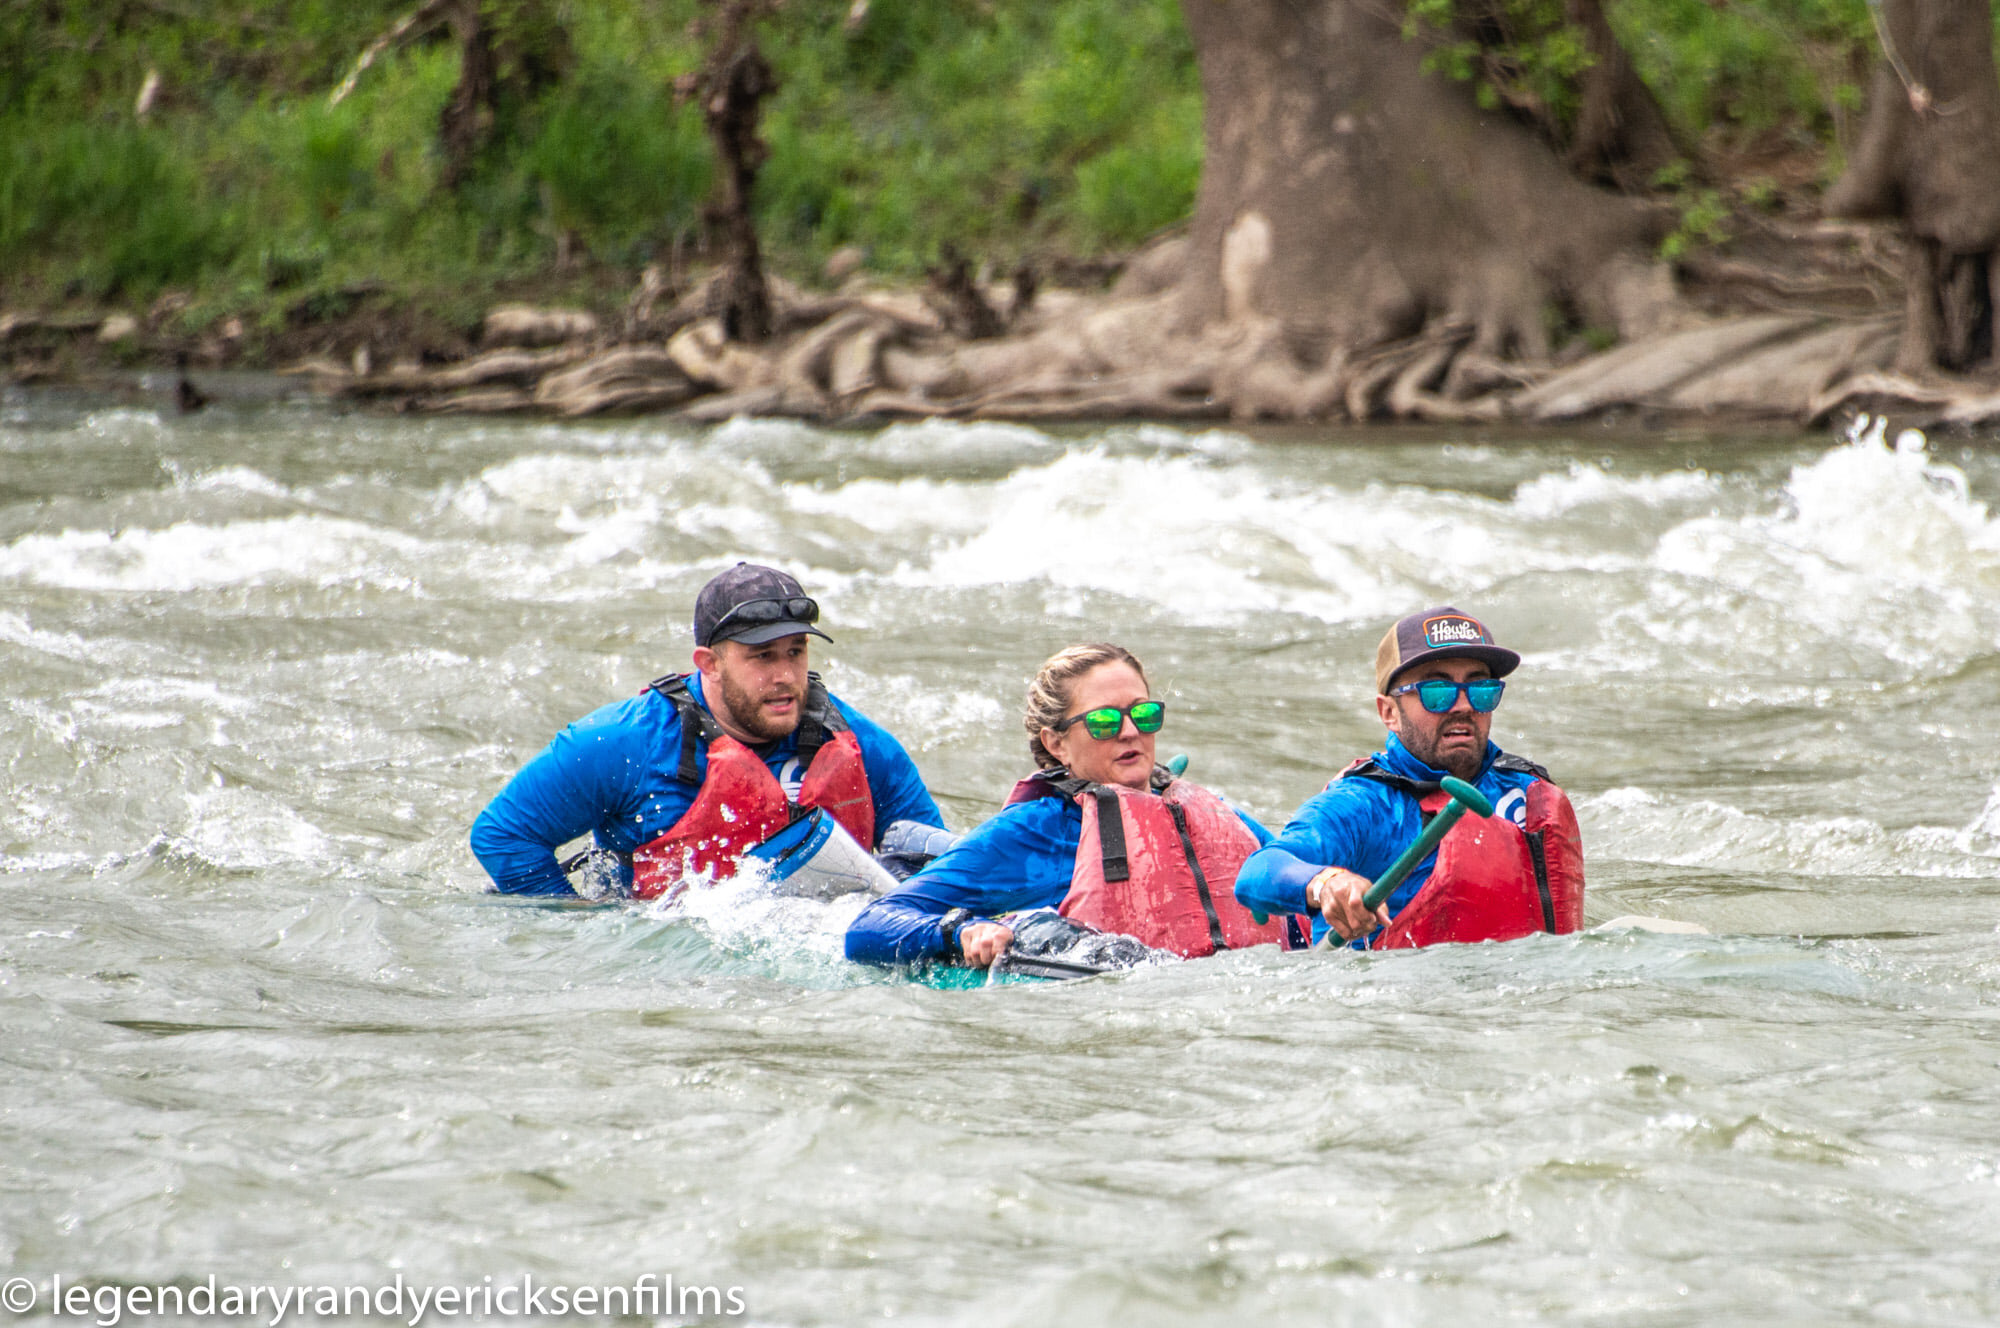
<point x="746" y="915"/>
<point x="923" y="715"/>
<point x="196" y="692"/>
<point x="242" y="829"/>
<point x="121" y="422"/>
<point x="747" y="434"/>
<point x="554" y="483"/>
<point x="1871" y="550"/>
<point x="230" y="479"/>
<point x="190" y="556"/>
<point x="1586" y="485"/>
<point x="944" y="442"/>
<point x="1148" y="513"/>
<point x="61" y="645"/>
<point x="1635" y="825"/>
<point x="1209" y="544"/>
<point x="1978" y="838"/>
<point x="14" y="863"/>
<point x="1215" y="444"/>
<point x="632" y="511"/>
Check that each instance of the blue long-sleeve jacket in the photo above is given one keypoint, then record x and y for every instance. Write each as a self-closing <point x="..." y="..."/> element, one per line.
<point x="612" y="774"/>
<point x="1363" y="825"/>
<point x="1022" y="858"/>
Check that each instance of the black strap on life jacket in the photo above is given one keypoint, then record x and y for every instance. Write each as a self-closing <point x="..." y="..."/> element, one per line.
<point x="1538" y="853"/>
<point x="1520" y="765"/>
<point x="819" y="721"/>
<point x="698" y="727"/>
<point x="1418" y="789"/>
<point x="1059" y="782"/>
<point x="1366" y="768"/>
<point x="1200" y="877"/>
<point x="1111" y="834"/>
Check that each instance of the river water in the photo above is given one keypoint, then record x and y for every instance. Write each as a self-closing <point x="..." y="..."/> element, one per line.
<point x="261" y="666"/>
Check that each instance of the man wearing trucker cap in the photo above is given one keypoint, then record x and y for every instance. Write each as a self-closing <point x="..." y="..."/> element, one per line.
<point x="697" y="771"/>
<point x="1438" y="677"/>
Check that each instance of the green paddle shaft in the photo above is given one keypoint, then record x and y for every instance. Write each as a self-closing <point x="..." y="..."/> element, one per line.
<point x="1464" y="798"/>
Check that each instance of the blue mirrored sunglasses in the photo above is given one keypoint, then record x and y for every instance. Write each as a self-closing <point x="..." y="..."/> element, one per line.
<point x="1441" y="694"/>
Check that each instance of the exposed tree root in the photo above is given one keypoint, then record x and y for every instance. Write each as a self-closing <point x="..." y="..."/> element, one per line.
<point x="1072" y="356"/>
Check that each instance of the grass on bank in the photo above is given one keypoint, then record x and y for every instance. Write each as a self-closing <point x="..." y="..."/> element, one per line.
<point x="1003" y="127"/>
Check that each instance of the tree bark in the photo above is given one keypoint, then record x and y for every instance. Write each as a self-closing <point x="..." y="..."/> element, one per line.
<point x="1929" y="154"/>
<point x="468" y="114"/>
<point x="730" y="85"/>
<point x="1352" y="199"/>
<point x="1621" y="134"/>
<point x="505" y="52"/>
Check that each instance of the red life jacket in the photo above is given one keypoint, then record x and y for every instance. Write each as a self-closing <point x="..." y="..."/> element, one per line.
<point x="1159" y="866"/>
<point x="1494" y="880"/>
<point x="741" y="803"/>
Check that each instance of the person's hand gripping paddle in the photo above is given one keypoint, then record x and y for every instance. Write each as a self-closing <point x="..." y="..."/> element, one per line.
<point x="1464" y="798"/>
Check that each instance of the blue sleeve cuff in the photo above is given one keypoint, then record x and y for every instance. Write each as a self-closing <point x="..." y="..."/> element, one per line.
<point x="1274" y="881"/>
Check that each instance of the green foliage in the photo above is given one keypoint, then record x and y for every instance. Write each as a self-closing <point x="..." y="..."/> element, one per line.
<point x="1005" y="127"/>
<point x="1749" y="67"/>
<point x="129" y="213"/>
<point x="1000" y="126"/>
<point x="1522" y="53"/>
<point x="1727" y="68"/>
<point x="617" y="163"/>
<point x="1704" y="217"/>
<point x="1135" y="189"/>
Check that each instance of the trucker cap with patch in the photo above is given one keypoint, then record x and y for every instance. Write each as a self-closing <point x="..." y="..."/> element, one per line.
<point x="753" y="605"/>
<point x="1442" y="633"/>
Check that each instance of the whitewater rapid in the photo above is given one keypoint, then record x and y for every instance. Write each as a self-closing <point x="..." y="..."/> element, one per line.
<point x="260" y="667"/>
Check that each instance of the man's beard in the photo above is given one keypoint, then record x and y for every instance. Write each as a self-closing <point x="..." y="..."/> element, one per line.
<point x="1465" y="767"/>
<point x="749" y="716"/>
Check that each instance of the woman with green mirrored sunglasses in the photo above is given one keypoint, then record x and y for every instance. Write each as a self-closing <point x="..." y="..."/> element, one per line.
<point x="1107" y="851"/>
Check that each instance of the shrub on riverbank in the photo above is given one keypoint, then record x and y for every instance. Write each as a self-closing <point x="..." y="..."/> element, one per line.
<point x="1004" y="127"/>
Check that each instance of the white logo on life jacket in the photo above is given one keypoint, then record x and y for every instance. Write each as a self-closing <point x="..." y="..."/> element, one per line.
<point x="791" y="778"/>
<point x="1513" y="804"/>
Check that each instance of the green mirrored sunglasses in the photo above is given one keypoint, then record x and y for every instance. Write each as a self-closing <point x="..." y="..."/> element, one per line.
<point x="1107" y="721"/>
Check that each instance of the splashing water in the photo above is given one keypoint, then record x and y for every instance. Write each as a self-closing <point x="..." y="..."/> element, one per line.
<point x="260" y="668"/>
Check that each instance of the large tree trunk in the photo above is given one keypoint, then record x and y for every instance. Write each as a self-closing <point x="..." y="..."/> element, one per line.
<point x="1353" y="199"/>
<point x="1930" y="154"/>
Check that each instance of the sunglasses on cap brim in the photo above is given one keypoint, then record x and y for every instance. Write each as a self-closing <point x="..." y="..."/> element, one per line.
<point x="757" y="612"/>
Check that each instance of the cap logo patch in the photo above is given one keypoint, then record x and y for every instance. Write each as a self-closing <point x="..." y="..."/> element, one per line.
<point x="1454" y="632"/>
